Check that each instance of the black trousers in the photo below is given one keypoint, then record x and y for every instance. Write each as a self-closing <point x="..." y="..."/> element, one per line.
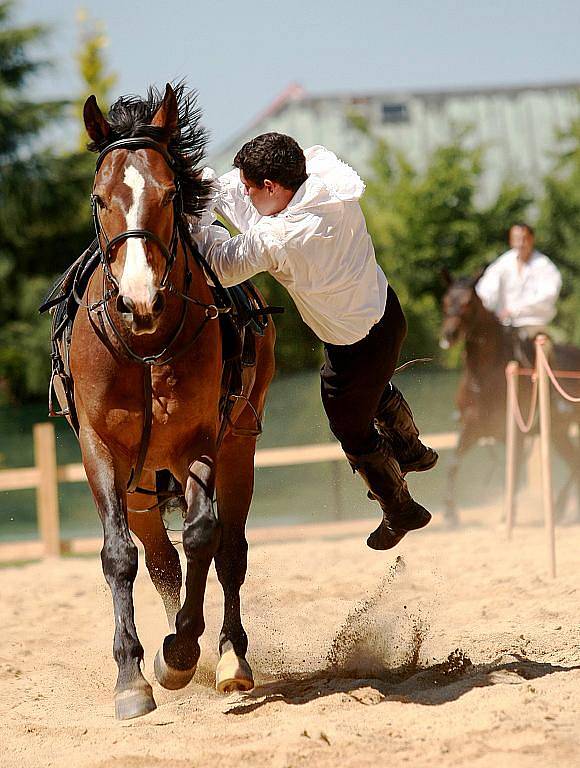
<point x="355" y="376"/>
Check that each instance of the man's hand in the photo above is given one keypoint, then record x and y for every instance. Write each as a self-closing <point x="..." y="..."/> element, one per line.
<point x="505" y="314"/>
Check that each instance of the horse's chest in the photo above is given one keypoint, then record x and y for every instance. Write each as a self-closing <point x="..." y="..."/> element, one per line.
<point x="173" y="396"/>
<point x="166" y="398"/>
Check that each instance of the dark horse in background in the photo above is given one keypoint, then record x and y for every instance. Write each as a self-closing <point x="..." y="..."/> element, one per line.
<point x="146" y="357"/>
<point x="481" y="396"/>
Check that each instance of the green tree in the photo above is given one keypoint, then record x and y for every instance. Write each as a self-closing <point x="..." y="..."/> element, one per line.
<point x="559" y="226"/>
<point x="422" y="221"/>
<point x="21" y="172"/>
<point x="96" y="77"/>
<point x="44" y="217"/>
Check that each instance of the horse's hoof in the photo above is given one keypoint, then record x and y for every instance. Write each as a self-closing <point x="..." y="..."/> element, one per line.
<point x="134" y="702"/>
<point x="233" y="674"/>
<point x="168" y="677"/>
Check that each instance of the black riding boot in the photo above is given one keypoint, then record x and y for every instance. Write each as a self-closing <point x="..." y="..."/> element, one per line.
<point x="394" y="420"/>
<point x="386" y="484"/>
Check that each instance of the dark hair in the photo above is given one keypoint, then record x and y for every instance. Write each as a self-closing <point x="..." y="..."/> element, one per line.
<point x="273" y="156"/>
<point x="523" y="225"/>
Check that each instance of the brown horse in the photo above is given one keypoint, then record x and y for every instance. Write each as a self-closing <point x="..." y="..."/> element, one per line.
<point x="481" y="395"/>
<point x="146" y="357"/>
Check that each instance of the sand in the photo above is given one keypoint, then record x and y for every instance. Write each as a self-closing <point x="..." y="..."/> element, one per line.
<point x="455" y="649"/>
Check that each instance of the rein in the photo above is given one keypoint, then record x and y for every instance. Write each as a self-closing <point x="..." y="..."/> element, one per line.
<point x="179" y="235"/>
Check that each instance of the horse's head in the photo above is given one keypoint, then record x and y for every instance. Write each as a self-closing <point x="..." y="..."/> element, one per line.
<point x="133" y="191"/>
<point x="460" y="304"/>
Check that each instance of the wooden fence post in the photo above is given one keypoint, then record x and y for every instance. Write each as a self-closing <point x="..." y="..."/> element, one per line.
<point x="47" y="489"/>
<point x="512" y="378"/>
<point x="545" y="440"/>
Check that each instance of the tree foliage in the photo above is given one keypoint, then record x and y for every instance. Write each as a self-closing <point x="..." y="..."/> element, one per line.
<point x="422" y="221"/>
<point x="44" y="216"/>
<point x="559" y="226"/>
<point x="95" y="75"/>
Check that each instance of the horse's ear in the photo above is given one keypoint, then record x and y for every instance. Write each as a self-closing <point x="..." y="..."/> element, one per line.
<point x="167" y="116"/>
<point x="446" y="277"/>
<point x="95" y="123"/>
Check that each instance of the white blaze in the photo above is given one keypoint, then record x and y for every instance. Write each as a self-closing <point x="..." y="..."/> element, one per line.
<point x="137" y="281"/>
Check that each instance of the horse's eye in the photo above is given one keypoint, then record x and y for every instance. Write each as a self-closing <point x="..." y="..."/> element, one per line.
<point x="99" y="201"/>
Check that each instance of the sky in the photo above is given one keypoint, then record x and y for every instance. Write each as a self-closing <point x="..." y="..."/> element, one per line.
<point x="240" y="55"/>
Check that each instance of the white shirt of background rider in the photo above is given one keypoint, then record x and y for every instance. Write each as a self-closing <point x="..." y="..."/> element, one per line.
<point x="318" y="247"/>
<point x="521" y="293"/>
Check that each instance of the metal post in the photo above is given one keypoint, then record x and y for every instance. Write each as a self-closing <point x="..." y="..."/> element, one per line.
<point x="545" y="439"/>
<point x="512" y="379"/>
<point x="47" y="489"/>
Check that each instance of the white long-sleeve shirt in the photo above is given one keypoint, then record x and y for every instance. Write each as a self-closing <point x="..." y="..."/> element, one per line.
<point x="318" y="248"/>
<point x="527" y="291"/>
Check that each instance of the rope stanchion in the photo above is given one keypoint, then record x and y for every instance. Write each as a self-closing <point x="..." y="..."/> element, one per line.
<point x="551" y="375"/>
<point x="545" y="441"/>
<point x="511" y="373"/>
<point x="541" y="377"/>
<point x="515" y="419"/>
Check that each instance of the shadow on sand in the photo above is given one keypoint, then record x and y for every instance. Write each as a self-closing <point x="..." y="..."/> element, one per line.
<point x="432" y="685"/>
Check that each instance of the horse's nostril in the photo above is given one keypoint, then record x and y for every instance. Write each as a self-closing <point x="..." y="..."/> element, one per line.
<point x="158" y="303"/>
<point x="125" y="305"/>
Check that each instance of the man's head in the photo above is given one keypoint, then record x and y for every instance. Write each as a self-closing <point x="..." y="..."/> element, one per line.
<point x="522" y="240"/>
<point x="272" y="167"/>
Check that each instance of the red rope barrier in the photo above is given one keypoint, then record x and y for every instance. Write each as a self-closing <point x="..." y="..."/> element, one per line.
<point x="523" y="426"/>
<point x="552" y="375"/>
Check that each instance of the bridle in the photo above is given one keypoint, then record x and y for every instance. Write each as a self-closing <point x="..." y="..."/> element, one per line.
<point x="170" y="251"/>
<point x="179" y="234"/>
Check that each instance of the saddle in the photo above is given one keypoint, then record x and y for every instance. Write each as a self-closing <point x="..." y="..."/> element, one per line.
<point x="247" y="319"/>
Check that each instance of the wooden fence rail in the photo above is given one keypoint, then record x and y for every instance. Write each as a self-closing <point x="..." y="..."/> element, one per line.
<point x="46" y="475"/>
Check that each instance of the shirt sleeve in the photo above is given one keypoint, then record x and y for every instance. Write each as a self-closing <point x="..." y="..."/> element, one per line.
<point x="233" y="204"/>
<point x="235" y="259"/>
<point x="488" y="288"/>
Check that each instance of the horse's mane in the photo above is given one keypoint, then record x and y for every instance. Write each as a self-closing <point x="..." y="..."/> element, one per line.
<point x="464" y="282"/>
<point x="131" y="116"/>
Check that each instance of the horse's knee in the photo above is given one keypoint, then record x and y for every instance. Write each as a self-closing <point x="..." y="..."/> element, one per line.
<point x="120" y="560"/>
<point x="201" y="536"/>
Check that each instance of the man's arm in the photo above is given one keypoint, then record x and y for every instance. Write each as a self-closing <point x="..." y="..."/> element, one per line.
<point x="235" y="259"/>
<point x="229" y="201"/>
<point x="488" y="288"/>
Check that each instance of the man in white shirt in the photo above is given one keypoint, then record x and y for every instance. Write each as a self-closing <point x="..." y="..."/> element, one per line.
<point x="300" y="220"/>
<point x="522" y="286"/>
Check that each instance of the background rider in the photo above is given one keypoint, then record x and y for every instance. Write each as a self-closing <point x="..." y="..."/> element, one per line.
<point x="522" y="285"/>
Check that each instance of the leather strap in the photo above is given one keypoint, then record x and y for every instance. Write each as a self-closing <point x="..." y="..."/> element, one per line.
<point x="146" y="433"/>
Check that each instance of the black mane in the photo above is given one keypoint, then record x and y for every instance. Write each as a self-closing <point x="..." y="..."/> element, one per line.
<point x="131" y="116"/>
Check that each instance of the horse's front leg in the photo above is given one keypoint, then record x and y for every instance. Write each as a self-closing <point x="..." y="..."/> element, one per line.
<point x="161" y="557"/>
<point x="176" y="661"/>
<point x="119" y="557"/>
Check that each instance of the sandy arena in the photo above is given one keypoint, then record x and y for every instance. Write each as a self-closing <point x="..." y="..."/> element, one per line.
<point x="455" y="649"/>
